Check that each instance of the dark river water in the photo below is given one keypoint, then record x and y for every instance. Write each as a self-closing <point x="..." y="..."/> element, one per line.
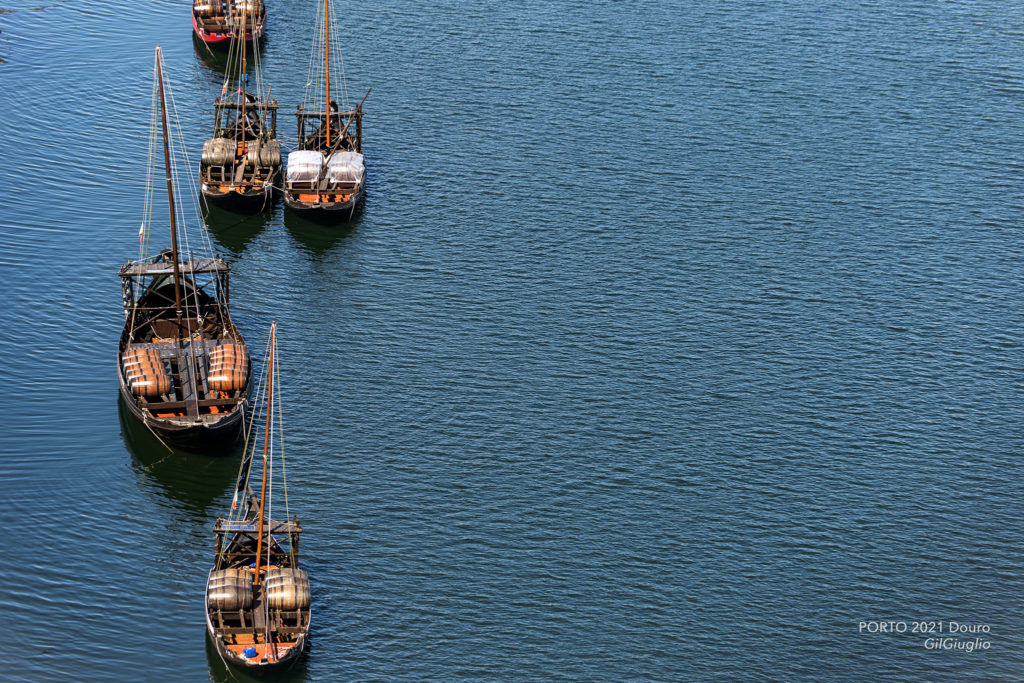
<point x="677" y="341"/>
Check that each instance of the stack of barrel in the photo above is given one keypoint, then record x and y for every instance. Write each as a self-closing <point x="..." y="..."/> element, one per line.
<point x="229" y="367"/>
<point x="229" y="590"/>
<point x="287" y="589"/>
<point x="145" y="372"/>
<point x="264" y="153"/>
<point x="218" y="152"/>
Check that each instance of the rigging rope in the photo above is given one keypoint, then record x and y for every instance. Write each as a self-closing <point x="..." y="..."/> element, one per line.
<point x="207" y="244"/>
<point x="336" y="40"/>
<point x="147" y="203"/>
<point x="269" y="464"/>
<point x="284" y="469"/>
<point x="315" y="98"/>
<point x="147" y="208"/>
<point x="232" y="121"/>
<point x="249" y="452"/>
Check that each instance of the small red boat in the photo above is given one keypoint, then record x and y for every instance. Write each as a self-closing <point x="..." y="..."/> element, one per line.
<point x="218" y="21"/>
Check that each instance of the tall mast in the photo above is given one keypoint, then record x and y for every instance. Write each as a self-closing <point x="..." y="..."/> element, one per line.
<point x="327" y="70"/>
<point x="170" y="192"/>
<point x="241" y="76"/>
<point x="266" y="441"/>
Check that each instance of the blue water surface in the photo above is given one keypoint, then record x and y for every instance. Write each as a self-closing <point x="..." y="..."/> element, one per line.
<point x="675" y="341"/>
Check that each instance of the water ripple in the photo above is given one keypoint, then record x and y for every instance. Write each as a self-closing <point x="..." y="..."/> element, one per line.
<point x="674" y="341"/>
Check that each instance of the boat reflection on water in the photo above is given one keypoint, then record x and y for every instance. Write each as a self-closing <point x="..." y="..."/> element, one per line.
<point x="214" y="60"/>
<point x="317" y="237"/>
<point x="234" y="231"/>
<point x="191" y="480"/>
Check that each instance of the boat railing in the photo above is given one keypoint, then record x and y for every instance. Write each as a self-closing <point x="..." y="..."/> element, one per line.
<point x="324" y="185"/>
<point x="146" y="268"/>
<point x="249" y="526"/>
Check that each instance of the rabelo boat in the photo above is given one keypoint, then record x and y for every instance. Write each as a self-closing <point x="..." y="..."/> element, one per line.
<point x="326" y="175"/>
<point x="257" y="597"/>
<point x="183" y="366"/>
<point x="241" y="163"/>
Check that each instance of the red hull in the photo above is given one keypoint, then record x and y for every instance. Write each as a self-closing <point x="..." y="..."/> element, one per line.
<point x="214" y="38"/>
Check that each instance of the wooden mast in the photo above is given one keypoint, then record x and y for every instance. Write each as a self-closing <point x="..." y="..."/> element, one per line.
<point x="266" y="441"/>
<point x="242" y="76"/>
<point x="170" y="193"/>
<point x="327" y="70"/>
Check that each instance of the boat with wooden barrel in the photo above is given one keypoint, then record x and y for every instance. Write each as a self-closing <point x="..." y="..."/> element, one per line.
<point x="257" y="596"/>
<point x="326" y="175"/>
<point x="183" y="366"/>
<point x="241" y="163"/>
<point x="219" y="21"/>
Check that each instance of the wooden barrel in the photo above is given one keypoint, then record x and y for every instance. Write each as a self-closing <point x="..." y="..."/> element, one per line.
<point x="270" y="153"/>
<point x="138" y="355"/>
<point x="144" y="360"/>
<point x="229" y="589"/>
<point x="159" y="381"/>
<point x="229" y="359"/>
<point x="252" y="154"/>
<point x="150" y="385"/>
<point x="145" y="372"/>
<point x="234" y="350"/>
<point x="136" y="371"/>
<point x="229" y="367"/>
<point x="226" y="366"/>
<point x="134" y="355"/>
<point x="218" y="152"/>
<point x="226" y="380"/>
<point x="287" y="589"/>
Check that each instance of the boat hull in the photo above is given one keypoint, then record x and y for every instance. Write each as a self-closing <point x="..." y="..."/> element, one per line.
<point x="255" y="200"/>
<point x="326" y="212"/>
<point x="213" y="433"/>
<point x="213" y="437"/>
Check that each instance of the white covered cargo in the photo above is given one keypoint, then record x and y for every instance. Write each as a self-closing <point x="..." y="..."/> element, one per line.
<point x="304" y="166"/>
<point x="346" y="167"/>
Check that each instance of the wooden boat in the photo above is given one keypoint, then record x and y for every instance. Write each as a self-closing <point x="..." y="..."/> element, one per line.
<point x="218" y="21"/>
<point x="183" y="367"/>
<point x="257" y="597"/>
<point x="241" y="163"/>
<point x="326" y="174"/>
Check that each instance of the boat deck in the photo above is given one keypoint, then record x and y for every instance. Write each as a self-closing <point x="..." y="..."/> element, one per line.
<point x="192" y="394"/>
